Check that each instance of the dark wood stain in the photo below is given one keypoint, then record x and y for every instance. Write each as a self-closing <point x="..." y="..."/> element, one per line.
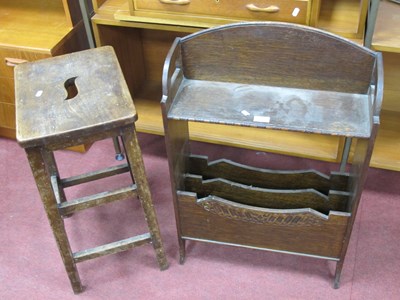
<point x="76" y="99"/>
<point x="295" y="78"/>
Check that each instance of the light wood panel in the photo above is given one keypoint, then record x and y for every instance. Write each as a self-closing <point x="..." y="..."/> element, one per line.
<point x="7" y="94"/>
<point x="391" y="97"/>
<point x="102" y="6"/>
<point x="387" y="29"/>
<point x="34" y="24"/>
<point x="7" y="115"/>
<point x="344" y="17"/>
<point x="7" y="132"/>
<point x="386" y="38"/>
<point x="386" y="153"/>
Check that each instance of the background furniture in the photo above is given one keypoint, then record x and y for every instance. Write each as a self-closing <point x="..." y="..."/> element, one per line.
<point x="47" y="28"/>
<point x="83" y="98"/>
<point x="142" y="38"/>
<point x="32" y="30"/>
<point x="330" y="87"/>
<point x="371" y="20"/>
<point x="386" y="38"/>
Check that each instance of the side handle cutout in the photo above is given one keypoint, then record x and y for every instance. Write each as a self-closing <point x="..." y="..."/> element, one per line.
<point x="71" y="88"/>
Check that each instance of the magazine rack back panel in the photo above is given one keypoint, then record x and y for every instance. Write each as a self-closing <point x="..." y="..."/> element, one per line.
<point x="274" y="76"/>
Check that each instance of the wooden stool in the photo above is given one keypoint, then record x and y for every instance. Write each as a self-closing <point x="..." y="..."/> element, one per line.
<point x="76" y="99"/>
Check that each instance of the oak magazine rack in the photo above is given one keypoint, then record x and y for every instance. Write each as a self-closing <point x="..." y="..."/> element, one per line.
<point x="276" y="76"/>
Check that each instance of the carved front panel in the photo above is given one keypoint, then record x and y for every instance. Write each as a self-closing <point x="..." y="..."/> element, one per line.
<point x="245" y="213"/>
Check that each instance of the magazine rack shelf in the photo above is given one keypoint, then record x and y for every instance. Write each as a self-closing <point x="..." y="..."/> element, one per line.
<point x="275" y="76"/>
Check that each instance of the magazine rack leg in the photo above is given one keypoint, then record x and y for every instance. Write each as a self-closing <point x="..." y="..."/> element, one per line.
<point x="177" y="141"/>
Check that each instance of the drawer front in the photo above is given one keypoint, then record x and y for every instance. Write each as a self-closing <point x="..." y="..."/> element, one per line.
<point x="7" y="93"/>
<point x="9" y="58"/>
<point x="7" y="115"/>
<point x="294" y="11"/>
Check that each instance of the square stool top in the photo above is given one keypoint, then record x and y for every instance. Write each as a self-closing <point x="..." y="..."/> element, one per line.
<point x="72" y="95"/>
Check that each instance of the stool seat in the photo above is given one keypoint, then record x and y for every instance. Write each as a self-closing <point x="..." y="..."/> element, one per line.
<point x="69" y="96"/>
<point x="74" y="99"/>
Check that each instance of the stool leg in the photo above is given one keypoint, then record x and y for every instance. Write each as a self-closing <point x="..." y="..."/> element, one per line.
<point x="37" y="161"/>
<point x="51" y="164"/>
<point x="135" y="160"/>
<point x="117" y="148"/>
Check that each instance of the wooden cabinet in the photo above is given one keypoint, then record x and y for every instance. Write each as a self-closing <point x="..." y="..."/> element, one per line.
<point x="344" y="17"/>
<point x="142" y="40"/>
<point x="32" y="30"/>
<point x="387" y="40"/>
